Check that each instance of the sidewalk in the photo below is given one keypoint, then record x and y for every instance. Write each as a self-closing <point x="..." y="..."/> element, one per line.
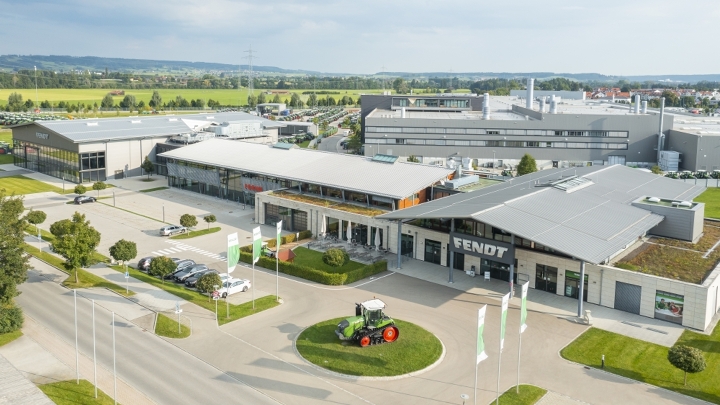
<point x="16" y="389"/>
<point x="624" y="323"/>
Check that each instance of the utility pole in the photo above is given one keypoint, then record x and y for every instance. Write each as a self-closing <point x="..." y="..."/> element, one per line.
<point x="37" y="102"/>
<point x="250" y="58"/>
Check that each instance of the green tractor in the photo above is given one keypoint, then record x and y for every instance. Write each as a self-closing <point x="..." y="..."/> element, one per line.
<point x="369" y="326"/>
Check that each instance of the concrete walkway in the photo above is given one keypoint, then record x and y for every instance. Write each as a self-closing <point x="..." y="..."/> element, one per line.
<point x="553" y="398"/>
<point x="625" y="323"/>
<point x="15" y="389"/>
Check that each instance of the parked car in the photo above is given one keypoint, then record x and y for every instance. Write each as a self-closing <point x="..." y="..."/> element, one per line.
<point x="81" y="199"/>
<point x="170" y="230"/>
<point x="234" y="286"/>
<point x="144" y="263"/>
<point x="182" y="264"/>
<point x="189" y="271"/>
<point x="192" y="280"/>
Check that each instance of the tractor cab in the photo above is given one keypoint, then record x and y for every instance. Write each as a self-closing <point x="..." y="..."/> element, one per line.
<point x="372" y="311"/>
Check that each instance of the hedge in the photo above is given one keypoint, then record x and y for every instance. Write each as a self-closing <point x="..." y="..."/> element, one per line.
<point x="311" y="274"/>
<point x="11" y="318"/>
<point x="289" y="238"/>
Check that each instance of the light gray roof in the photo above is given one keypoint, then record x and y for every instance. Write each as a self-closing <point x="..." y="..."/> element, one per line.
<point x="348" y="172"/>
<point x="590" y="223"/>
<point x="145" y="126"/>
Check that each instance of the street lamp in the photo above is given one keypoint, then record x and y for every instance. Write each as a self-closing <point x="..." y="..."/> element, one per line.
<point x="493" y="165"/>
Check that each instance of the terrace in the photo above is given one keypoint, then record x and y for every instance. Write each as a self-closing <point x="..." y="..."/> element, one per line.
<point x="675" y="259"/>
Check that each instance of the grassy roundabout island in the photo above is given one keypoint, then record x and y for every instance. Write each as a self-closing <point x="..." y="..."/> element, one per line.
<point x="415" y="349"/>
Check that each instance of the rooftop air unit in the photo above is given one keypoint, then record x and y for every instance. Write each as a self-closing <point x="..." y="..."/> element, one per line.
<point x="643" y="109"/>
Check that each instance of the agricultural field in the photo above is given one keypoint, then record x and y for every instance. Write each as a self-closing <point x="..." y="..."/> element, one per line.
<point x="226" y="97"/>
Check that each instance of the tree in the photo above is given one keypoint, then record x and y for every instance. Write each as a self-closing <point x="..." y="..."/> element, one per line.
<point x="14" y="264"/>
<point x="36" y="217"/>
<point x="312" y="101"/>
<point x="261" y="98"/>
<point x="80" y="189"/>
<point x="401" y="86"/>
<point x="209" y="219"/>
<point x="276" y="99"/>
<point x="124" y="251"/>
<point x="76" y="241"/>
<point x="161" y="267"/>
<point x="107" y="101"/>
<point x="527" y="165"/>
<point x="148" y="166"/>
<point x="252" y="101"/>
<point x="206" y="284"/>
<point x="413" y="159"/>
<point x="128" y="102"/>
<point x="15" y="102"/>
<point x="295" y="100"/>
<point x="99" y="185"/>
<point x="688" y="101"/>
<point x="687" y="359"/>
<point x="188" y="220"/>
<point x="155" y="100"/>
<point x="353" y="143"/>
<point x="671" y="99"/>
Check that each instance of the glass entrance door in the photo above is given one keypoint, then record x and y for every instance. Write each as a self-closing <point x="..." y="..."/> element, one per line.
<point x="546" y="278"/>
<point x="406" y="245"/>
<point x="432" y="251"/>
<point x="572" y="285"/>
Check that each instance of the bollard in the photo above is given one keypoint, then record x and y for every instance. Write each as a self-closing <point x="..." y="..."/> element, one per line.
<point x="602" y="365"/>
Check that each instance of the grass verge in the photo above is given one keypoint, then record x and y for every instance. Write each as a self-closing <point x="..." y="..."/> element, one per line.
<point x="169" y="328"/>
<point x="70" y="393"/>
<point x="414" y="350"/>
<point x="711" y="198"/>
<point x="313" y="259"/>
<point x="150" y="190"/>
<point x="6" y="338"/>
<point x="529" y="394"/>
<point x="85" y="278"/>
<point x="647" y="362"/>
<point x="195" y="234"/>
<point x="179" y="290"/>
<point x="25" y="185"/>
<point x="6" y="159"/>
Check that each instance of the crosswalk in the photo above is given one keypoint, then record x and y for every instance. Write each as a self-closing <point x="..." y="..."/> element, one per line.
<point x="180" y="247"/>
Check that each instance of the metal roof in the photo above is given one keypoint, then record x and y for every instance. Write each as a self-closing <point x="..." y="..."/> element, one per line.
<point x="590" y="223"/>
<point x="348" y="172"/>
<point x="95" y="130"/>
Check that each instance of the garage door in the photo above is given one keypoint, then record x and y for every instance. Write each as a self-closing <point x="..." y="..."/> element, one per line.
<point x="627" y="297"/>
<point x="616" y="160"/>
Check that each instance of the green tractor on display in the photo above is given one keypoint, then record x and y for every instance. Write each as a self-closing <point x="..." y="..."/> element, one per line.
<point x="369" y="326"/>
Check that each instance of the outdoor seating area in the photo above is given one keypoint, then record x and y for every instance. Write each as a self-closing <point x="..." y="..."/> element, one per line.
<point x="357" y="251"/>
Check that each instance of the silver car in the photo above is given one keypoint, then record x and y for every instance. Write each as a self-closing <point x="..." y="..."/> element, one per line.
<point x="170" y="230"/>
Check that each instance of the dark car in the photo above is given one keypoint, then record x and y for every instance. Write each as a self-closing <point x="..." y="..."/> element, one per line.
<point x="181" y="265"/>
<point x="192" y="280"/>
<point x="82" y="199"/>
<point x="189" y="271"/>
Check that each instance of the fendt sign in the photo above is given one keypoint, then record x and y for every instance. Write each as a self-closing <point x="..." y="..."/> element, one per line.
<point x="485" y="248"/>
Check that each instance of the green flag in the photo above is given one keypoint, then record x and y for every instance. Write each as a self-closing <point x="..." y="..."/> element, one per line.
<point x="233" y="252"/>
<point x="503" y="318"/>
<point x="523" y="307"/>
<point x="279" y="231"/>
<point x="481" y="355"/>
<point x="257" y="244"/>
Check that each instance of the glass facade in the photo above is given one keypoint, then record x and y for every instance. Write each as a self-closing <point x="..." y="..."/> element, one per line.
<point x="293" y="220"/>
<point x="60" y="163"/>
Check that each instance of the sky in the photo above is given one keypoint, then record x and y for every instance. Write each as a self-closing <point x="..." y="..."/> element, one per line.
<point x="612" y="37"/>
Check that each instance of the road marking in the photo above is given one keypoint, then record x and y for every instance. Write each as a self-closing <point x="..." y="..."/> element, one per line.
<point x="183" y="246"/>
<point x="156" y="253"/>
<point x="175" y="250"/>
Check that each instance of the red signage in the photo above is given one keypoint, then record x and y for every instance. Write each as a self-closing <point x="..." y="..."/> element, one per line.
<point x="254" y="188"/>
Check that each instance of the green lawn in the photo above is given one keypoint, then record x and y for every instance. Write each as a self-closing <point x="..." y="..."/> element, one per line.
<point x="414" y="350"/>
<point x="179" y="290"/>
<point x="70" y="393"/>
<point x="711" y="198"/>
<point x="647" y="362"/>
<point x="313" y="259"/>
<point x="6" y="135"/>
<point x="194" y="234"/>
<point x="26" y="185"/>
<point x="169" y="327"/>
<point x="6" y="338"/>
<point x="303" y="144"/>
<point x="6" y="159"/>
<point x="529" y="394"/>
<point x="150" y="190"/>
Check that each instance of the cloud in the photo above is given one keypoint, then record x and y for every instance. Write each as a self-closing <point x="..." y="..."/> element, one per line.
<point x="610" y="37"/>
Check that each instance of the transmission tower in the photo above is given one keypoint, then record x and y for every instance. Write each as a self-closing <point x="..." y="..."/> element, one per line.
<point x="250" y="57"/>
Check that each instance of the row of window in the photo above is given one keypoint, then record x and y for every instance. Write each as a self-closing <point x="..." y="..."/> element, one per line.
<point x="476" y="131"/>
<point x="498" y="144"/>
<point x="430" y="102"/>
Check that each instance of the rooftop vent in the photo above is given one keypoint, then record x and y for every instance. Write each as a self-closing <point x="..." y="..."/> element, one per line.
<point x="653" y="199"/>
<point x="685" y="204"/>
<point x="572" y="184"/>
<point x="384" y="158"/>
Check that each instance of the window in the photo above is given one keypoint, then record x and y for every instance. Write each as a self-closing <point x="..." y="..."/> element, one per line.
<point x="515" y="132"/>
<point x="414" y="130"/>
<point x="399" y="141"/>
<point x="493" y="132"/>
<point x="415" y="141"/>
<point x="455" y="131"/>
<point x="436" y="130"/>
<point x="533" y="144"/>
<point x="462" y="143"/>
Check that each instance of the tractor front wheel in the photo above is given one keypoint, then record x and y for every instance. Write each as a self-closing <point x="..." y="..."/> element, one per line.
<point x="365" y="341"/>
<point x="390" y="334"/>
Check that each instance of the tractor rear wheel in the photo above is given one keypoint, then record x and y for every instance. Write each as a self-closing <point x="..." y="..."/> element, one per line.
<point x="390" y="334"/>
<point x="365" y="341"/>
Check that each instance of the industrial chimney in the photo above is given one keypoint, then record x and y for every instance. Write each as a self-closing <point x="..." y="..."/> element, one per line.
<point x="637" y="104"/>
<point x="486" y="106"/>
<point x="643" y="108"/>
<point x="529" y="101"/>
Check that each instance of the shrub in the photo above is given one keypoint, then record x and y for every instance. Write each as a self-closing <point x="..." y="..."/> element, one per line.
<point x="36" y="217"/>
<point x="11" y="318"/>
<point x="367" y="271"/>
<point x="80" y="189"/>
<point x="335" y="257"/>
<point x="288" y="238"/>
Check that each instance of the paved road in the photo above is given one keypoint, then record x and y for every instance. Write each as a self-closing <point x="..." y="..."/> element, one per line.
<point x="165" y="373"/>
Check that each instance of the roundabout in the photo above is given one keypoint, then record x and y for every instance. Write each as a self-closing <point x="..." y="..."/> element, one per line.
<point x="407" y="350"/>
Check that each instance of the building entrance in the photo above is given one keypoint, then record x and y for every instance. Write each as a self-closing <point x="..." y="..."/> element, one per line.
<point x="572" y="285"/>
<point x="406" y="246"/>
<point x="546" y="278"/>
<point x="432" y="251"/>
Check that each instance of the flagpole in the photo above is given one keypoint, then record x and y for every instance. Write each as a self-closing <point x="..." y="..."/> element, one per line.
<point x="503" y="315"/>
<point x="253" y="283"/>
<point x="518" y="371"/>
<point x="476" y="369"/>
<point x="497" y="392"/>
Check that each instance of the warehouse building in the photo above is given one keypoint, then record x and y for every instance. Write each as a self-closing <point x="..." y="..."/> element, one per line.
<point x="90" y="150"/>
